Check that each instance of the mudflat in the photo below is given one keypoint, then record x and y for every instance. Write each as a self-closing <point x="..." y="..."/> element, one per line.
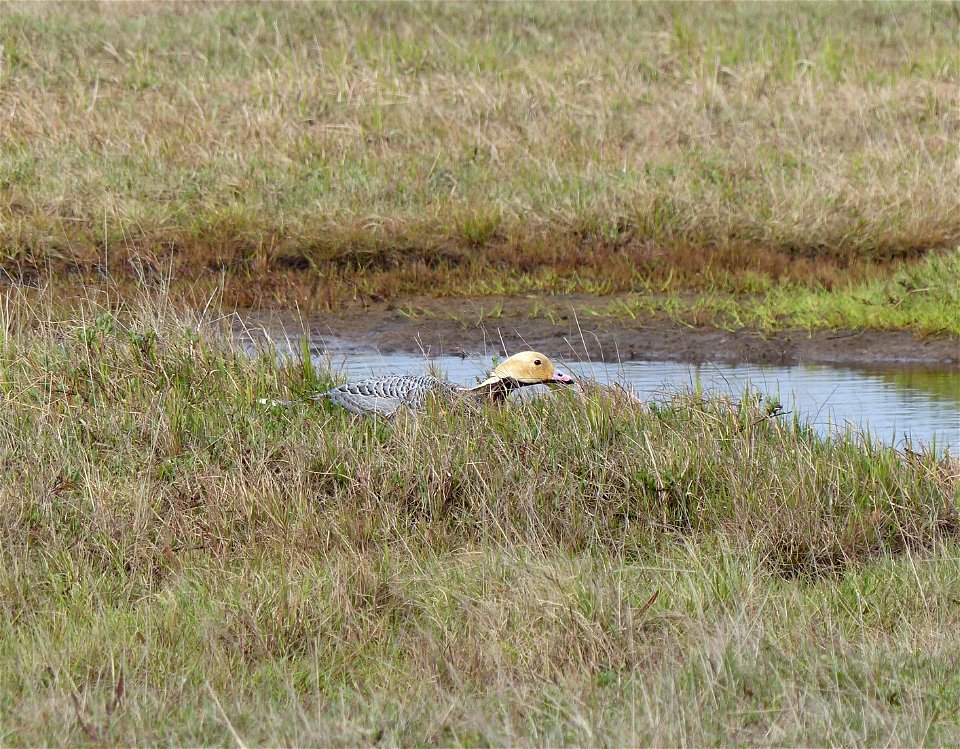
<point x="568" y="326"/>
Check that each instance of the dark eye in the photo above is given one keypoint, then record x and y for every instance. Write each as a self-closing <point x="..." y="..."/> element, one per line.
<point x="537" y="362"/>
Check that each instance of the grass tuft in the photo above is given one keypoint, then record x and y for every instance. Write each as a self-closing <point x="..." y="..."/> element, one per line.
<point x="457" y="148"/>
<point x="182" y="565"/>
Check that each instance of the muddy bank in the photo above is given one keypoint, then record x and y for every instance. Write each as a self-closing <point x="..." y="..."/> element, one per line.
<point x="564" y="327"/>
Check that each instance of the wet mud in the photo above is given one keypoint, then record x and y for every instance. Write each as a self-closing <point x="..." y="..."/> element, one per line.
<point x="564" y="327"/>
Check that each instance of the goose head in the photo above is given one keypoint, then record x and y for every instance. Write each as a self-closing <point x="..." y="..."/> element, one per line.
<point x="526" y="368"/>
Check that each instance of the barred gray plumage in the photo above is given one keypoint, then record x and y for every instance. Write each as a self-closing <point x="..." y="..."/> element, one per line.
<point x="384" y="396"/>
<point x="387" y="395"/>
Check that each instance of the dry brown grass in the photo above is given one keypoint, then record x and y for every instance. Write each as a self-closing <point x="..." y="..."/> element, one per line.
<point x="181" y="566"/>
<point x="309" y="150"/>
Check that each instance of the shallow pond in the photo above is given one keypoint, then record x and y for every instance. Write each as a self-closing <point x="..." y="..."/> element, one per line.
<point x="902" y="406"/>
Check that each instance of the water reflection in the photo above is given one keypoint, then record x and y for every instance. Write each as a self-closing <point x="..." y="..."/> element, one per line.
<point x="898" y="405"/>
<point x="937" y="384"/>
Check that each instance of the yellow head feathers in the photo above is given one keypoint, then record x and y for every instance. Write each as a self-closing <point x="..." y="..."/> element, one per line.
<point x="527" y="368"/>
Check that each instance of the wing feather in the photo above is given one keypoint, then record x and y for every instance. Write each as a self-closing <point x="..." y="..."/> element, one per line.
<point x="387" y="395"/>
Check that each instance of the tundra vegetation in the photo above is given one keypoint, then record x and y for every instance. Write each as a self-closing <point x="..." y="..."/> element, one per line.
<point x="320" y="153"/>
<point x="181" y="565"/>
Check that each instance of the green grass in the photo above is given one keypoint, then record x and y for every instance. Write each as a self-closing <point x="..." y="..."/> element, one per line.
<point x="312" y="152"/>
<point x="181" y="566"/>
<point x="924" y="297"/>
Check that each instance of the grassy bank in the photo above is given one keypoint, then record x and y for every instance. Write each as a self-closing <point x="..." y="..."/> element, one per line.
<point x="314" y="153"/>
<point x="179" y="565"/>
<point x="923" y="296"/>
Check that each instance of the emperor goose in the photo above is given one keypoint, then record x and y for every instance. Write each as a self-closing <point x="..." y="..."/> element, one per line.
<point x="384" y="396"/>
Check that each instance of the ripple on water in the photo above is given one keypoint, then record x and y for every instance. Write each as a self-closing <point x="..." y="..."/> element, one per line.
<point x="901" y="406"/>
